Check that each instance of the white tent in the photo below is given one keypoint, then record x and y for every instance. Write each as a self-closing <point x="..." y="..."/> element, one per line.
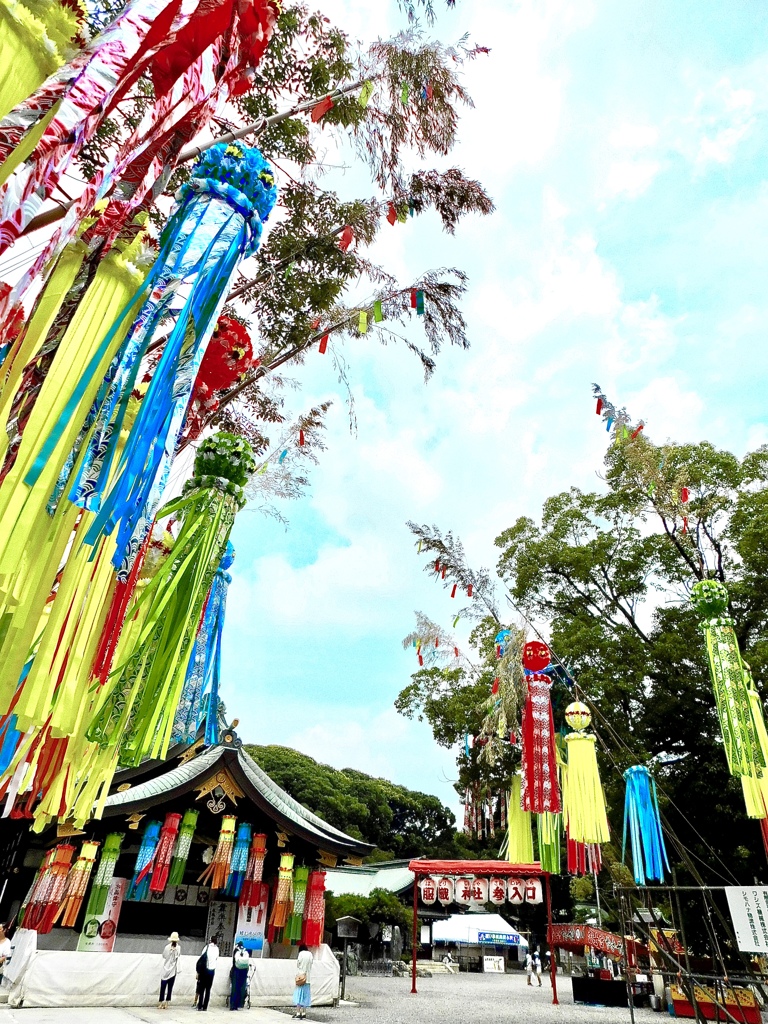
<point x="477" y="930"/>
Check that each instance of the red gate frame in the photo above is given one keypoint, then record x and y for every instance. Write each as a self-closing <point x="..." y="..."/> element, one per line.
<point x="482" y="868"/>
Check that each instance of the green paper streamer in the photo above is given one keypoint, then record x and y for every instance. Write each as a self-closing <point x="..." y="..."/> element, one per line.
<point x="378" y="316"/>
<point x="402" y="214"/>
<point x="549" y="827"/>
<point x="182" y="847"/>
<point x="362" y="324"/>
<point x="404" y="93"/>
<point x="419" y="303"/>
<point x="365" y="94"/>
<point x="520" y="847"/>
<point x="289" y="270"/>
<point x="104" y="873"/>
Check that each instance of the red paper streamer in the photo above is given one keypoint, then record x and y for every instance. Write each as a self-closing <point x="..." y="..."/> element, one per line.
<point x="301" y="439"/>
<point x="413" y="298"/>
<point x="684" y="494"/>
<point x="455" y="652"/>
<point x="453" y="591"/>
<point x="636" y="432"/>
<point x="685" y="524"/>
<point x="315" y="323"/>
<point x="429" y="90"/>
<point x="437" y="565"/>
<point x="442" y="573"/>
<point x="323" y="345"/>
<point x="469" y="590"/>
<point x="346" y="238"/>
<point x="599" y="408"/>
<point x="421" y="659"/>
<point x="392" y="214"/>
<point x="321" y="109"/>
<point x="437" y="642"/>
<point x="495" y="687"/>
<point x="539" y="791"/>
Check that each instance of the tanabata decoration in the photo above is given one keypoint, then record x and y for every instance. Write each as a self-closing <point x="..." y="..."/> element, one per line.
<point x="32" y="901"/>
<point x="520" y="846"/>
<point x="219" y="220"/>
<point x="138" y="711"/>
<point x="281" y="907"/>
<point x="139" y="887"/>
<point x="295" y="924"/>
<point x="228" y="357"/>
<point x="643" y="822"/>
<point x="239" y="863"/>
<point x="583" y="858"/>
<point x="200" y="693"/>
<point x="253" y="875"/>
<point x="76" y="885"/>
<point x="161" y="861"/>
<point x="734" y="708"/>
<point x="44" y="901"/>
<point x="314" y="909"/>
<point x="183" y="846"/>
<point x="102" y="880"/>
<point x="217" y="872"/>
<point x="549" y="830"/>
<point x="540" y="791"/>
<point x="584" y="811"/>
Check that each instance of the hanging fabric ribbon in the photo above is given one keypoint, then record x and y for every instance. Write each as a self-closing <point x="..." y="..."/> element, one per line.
<point x="217" y="872"/>
<point x="44" y="901"/>
<point x="314" y="909"/>
<point x="239" y="864"/>
<point x="253" y="875"/>
<point x="161" y="861"/>
<point x="520" y="847"/>
<point x="549" y="830"/>
<point x="182" y="847"/>
<point x="742" y="748"/>
<point x="104" y="873"/>
<point x="200" y="693"/>
<point x="295" y="925"/>
<point x="281" y="907"/>
<point x="583" y="798"/>
<point x="139" y="887"/>
<point x="77" y="882"/>
<point x="540" y="791"/>
<point x="642" y="821"/>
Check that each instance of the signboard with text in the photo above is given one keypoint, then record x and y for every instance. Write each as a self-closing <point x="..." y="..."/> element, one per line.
<point x="493" y="964"/>
<point x="252" y="921"/>
<point x="749" y="911"/>
<point x="99" y="931"/>
<point x="497" y="939"/>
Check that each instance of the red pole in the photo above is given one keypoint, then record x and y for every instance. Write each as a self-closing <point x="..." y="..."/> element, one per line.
<point x="415" y="928"/>
<point x="552" y="964"/>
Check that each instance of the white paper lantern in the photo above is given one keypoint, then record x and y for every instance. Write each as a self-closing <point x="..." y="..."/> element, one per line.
<point x="462" y="891"/>
<point x="533" y="892"/>
<point x="479" y="890"/>
<point x="516" y="891"/>
<point x="428" y="891"/>
<point x="497" y="891"/>
<point x="445" y="891"/>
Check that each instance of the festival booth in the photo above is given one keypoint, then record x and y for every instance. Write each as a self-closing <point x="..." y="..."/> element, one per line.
<point x="481" y="935"/>
<point x="467" y="882"/>
<point x="204" y="843"/>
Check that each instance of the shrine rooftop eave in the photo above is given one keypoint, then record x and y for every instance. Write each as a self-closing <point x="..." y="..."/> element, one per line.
<point x="257" y="787"/>
<point x="474" y="867"/>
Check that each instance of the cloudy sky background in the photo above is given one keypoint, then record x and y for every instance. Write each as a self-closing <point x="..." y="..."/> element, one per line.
<point x="624" y="146"/>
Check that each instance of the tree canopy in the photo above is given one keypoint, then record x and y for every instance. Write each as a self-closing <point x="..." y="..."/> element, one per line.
<point x="607" y="576"/>
<point x="400" y="822"/>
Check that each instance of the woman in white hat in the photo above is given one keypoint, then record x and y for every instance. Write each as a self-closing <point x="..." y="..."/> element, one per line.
<point x="171" y="966"/>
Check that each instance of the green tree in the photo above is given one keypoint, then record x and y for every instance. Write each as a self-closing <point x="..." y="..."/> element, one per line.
<point x="381" y="907"/>
<point x="398" y="821"/>
<point x="609" y="575"/>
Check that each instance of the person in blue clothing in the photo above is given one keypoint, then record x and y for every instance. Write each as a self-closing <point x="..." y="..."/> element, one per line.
<point x="302" y="995"/>
<point x="241" y="960"/>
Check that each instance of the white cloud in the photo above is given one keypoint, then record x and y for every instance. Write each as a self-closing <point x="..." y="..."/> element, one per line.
<point x="631" y="178"/>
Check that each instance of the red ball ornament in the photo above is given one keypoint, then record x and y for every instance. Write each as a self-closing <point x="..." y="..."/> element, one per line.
<point x="536" y="656"/>
<point x="228" y="356"/>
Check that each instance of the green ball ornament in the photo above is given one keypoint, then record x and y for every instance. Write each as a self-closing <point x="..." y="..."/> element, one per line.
<point x="224" y="455"/>
<point x="578" y="715"/>
<point x="709" y="598"/>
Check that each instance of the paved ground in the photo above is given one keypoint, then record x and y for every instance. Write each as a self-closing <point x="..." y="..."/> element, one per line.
<point x="443" y="999"/>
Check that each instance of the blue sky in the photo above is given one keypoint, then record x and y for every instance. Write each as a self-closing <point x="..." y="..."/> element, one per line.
<point x="624" y="145"/>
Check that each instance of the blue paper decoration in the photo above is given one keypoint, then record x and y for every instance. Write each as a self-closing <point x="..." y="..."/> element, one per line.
<point x="642" y="821"/>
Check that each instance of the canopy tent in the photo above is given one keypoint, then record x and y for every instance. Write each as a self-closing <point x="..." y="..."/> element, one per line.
<point x="477" y="930"/>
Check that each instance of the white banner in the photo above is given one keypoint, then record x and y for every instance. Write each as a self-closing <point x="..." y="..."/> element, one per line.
<point x="98" y="934"/>
<point x="749" y="911"/>
<point x="252" y="921"/>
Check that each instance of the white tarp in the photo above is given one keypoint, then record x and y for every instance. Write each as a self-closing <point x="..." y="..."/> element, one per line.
<point x="467" y="928"/>
<point x="63" y="978"/>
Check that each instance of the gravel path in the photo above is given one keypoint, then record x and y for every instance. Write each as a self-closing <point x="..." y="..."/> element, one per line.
<point x="467" y="999"/>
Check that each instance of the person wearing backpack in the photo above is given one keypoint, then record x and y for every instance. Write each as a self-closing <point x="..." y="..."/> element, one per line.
<point x="302" y="996"/>
<point x="241" y="960"/>
<point x="206" y="969"/>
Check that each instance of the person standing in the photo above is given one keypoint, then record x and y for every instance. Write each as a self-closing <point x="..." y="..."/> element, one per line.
<point x="171" y="955"/>
<point x="529" y="965"/>
<point x="302" y="996"/>
<point x="5" y="949"/>
<point x="537" y="966"/>
<point x="206" y="971"/>
<point x="241" y="960"/>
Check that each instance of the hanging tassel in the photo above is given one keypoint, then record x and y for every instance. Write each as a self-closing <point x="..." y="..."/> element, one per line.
<point x="583" y="858"/>
<point x="282" y="906"/>
<point x="742" y="747"/>
<point x="549" y="828"/>
<point x="239" y="864"/>
<point x="182" y="847"/>
<point x="139" y="887"/>
<point x="583" y="798"/>
<point x="161" y="863"/>
<point x="294" y="928"/>
<point x="217" y="872"/>
<point x="314" y="909"/>
<point x="77" y="883"/>
<point x="252" y="885"/>
<point x="538" y="769"/>
<point x="520" y="849"/>
<point x="642" y="820"/>
<point x="104" y="874"/>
